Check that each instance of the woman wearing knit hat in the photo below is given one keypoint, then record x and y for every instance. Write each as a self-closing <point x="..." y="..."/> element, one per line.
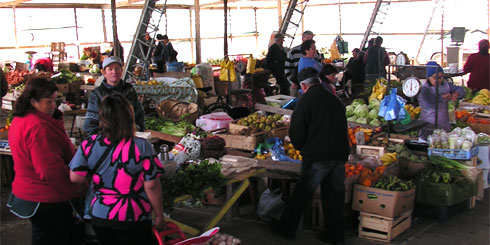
<point x="428" y="99"/>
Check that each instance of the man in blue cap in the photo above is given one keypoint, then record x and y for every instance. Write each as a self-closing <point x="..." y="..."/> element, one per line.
<point x="427" y="99"/>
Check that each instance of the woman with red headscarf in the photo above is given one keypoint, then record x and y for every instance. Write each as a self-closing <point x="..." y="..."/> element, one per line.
<point x="479" y="66"/>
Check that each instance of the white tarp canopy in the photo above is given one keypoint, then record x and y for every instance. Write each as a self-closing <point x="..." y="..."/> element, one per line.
<point x="250" y="24"/>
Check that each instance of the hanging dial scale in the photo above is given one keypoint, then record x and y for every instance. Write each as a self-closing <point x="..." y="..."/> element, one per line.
<point x="411" y="86"/>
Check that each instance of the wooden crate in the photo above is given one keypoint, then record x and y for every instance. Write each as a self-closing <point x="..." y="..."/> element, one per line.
<point x="383" y="229"/>
<point x="368" y="150"/>
<point x="243" y="142"/>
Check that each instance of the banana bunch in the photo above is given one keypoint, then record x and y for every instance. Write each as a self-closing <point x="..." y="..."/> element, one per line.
<point x="368" y="131"/>
<point x="482" y="98"/>
<point x="388" y="158"/>
<point x="412" y="110"/>
<point x="378" y="90"/>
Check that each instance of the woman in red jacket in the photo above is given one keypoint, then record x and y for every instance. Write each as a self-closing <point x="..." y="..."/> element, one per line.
<point x="479" y="66"/>
<point x="41" y="150"/>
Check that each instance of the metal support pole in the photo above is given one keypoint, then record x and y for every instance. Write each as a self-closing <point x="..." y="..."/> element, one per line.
<point x="225" y="35"/>
<point x="76" y="32"/>
<point x="197" y="10"/>
<point x="104" y="29"/>
<point x="117" y="50"/>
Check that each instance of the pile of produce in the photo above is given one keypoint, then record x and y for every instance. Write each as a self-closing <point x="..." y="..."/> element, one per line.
<point x="413" y="111"/>
<point x="483" y="139"/>
<point x="443" y="170"/>
<point x="159" y="124"/>
<point x="456" y="139"/>
<point x="291" y="152"/>
<point x="150" y="82"/>
<point x="368" y="177"/>
<point x="368" y="132"/>
<point x="192" y="180"/>
<point x="352" y="169"/>
<point x="16" y="76"/>
<point x="393" y="183"/>
<point x="359" y="112"/>
<point x="223" y="239"/>
<point x="482" y="97"/>
<point x="65" y="76"/>
<point x="403" y="152"/>
<point x="214" y="147"/>
<point x="257" y="123"/>
<point x="388" y="158"/>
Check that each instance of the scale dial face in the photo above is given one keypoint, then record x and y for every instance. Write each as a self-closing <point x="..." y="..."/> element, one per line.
<point x="401" y="59"/>
<point x="411" y="87"/>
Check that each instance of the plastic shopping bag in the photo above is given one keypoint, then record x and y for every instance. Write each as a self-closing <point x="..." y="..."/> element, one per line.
<point x="270" y="205"/>
<point x="227" y="66"/>
<point x="392" y="107"/>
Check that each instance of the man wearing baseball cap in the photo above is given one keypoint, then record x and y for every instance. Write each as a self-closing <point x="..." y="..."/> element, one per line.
<point x="112" y="69"/>
<point x="292" y="60"/>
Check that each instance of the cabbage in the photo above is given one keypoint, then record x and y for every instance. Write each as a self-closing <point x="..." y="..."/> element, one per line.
<point x="352" y="119"/>
<point x="362" y="120"/>
<point x="357" y="102"/>
<point x="349" y="110"/>
<point x="374" y="103"/>
<point x="375" y="122"/>
<point x="373" y="114"/>
<point x="361" y="111"/>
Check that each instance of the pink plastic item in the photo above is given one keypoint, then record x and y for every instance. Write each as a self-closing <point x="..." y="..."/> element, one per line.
<point x="200" y="240"/>
<point x="214" y="121"/>
<point x="171" y="229"/>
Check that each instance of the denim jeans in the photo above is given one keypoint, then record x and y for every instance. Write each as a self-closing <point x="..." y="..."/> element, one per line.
<point x="330" y="175"/>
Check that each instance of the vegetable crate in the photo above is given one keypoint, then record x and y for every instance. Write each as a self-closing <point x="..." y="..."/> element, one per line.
<point x="383" y="229"/>
<point x="441" y="212"/>
<point x="349" y="184"/>
<point x="456" y="154"/>
<point x="444" y="193"/>
<point x="382" y="202"/>
<point x="479" y="127"/>
<point x="243" y="142"/>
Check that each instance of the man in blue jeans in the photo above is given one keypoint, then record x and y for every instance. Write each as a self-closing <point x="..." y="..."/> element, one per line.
<point x="319" y="130"/>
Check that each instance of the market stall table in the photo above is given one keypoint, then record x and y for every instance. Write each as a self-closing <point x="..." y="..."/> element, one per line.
<point x="231" y="197"/>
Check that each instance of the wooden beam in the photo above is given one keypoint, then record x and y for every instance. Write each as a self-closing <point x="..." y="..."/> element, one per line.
<point x="126" y="3"/>
<point x="76" y="31"/>
<point x="197" y="20"/>
<point x="191" y="36"/>
<point x="13" y="3"/>
<point x="89" y="6"/>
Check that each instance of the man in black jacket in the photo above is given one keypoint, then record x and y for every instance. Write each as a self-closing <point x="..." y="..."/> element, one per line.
<point x="275" y="59"/>
<point x="319" y="130"/>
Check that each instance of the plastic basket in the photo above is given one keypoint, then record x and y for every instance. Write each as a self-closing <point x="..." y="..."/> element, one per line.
<point x="458" y="154"/>
<point x="443" y="193"/>
<point x="173" y="231"/>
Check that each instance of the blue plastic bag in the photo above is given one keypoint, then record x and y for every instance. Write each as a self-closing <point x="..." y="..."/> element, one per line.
<point x="392" y="107"/>
<point x="278" y="153"/>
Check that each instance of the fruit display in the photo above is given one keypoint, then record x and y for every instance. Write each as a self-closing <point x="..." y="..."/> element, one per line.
<point x="291" y="152"/>
<point x="263" y="155"/>
<point x="388" y="158"/>
<point x="150" y="82"/>
<point x="368" y="132"/>
<point x="482" y="97"/>
<point x="352" y="169"/>
<point x="413" y="111"/>
<point x="403" y="152"/>
<point x="257" y="122"/>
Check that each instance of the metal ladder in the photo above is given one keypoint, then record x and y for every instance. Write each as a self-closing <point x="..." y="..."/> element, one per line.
<point x="377" y="18"/>
<point x="146" y="24"/>
<point x="294" y="14"/>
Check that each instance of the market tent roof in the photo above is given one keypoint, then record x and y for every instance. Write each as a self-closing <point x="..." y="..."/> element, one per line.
<point x="204" y="4"/>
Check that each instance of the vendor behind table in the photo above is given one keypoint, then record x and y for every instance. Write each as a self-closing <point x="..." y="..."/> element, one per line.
<point x="435" y="108"/>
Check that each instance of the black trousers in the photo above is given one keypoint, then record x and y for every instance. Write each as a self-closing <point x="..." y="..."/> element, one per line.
<point x="138" y="234"/>
<point x="54" y="223"/>
<point x="330" y="176"/>
<point x="282" y="82"/>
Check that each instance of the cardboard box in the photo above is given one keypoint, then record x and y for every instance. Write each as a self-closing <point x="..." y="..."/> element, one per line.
<point x="382" y="202"/>
<point x="383" y="229"/>
<point x="243" y="142"/>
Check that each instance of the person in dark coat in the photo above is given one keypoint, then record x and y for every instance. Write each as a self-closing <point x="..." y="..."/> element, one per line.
<point x="319" y="130"/>
<point x="355" y="71"/>
<point x="376" y="59"/>
<point x="275" y="59"/>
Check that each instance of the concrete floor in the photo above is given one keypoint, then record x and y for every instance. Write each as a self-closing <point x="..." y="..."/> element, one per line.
<point x="469" y="227"/>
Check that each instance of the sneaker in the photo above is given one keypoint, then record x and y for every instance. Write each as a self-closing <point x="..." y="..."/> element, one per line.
<point x="278" y="227"/>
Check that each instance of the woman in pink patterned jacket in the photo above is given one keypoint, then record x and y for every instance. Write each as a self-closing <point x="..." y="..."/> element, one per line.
<point x="124" y="170"/>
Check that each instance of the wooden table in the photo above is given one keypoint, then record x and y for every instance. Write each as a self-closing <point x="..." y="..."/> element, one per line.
<point x="272" y="109"/>
<point x="74" y="113"/>
<point x="231" y="198"/>
<point x="164" y="136"/>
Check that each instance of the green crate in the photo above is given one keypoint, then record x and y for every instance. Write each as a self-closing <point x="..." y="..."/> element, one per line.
<point x="443" y="193"/>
